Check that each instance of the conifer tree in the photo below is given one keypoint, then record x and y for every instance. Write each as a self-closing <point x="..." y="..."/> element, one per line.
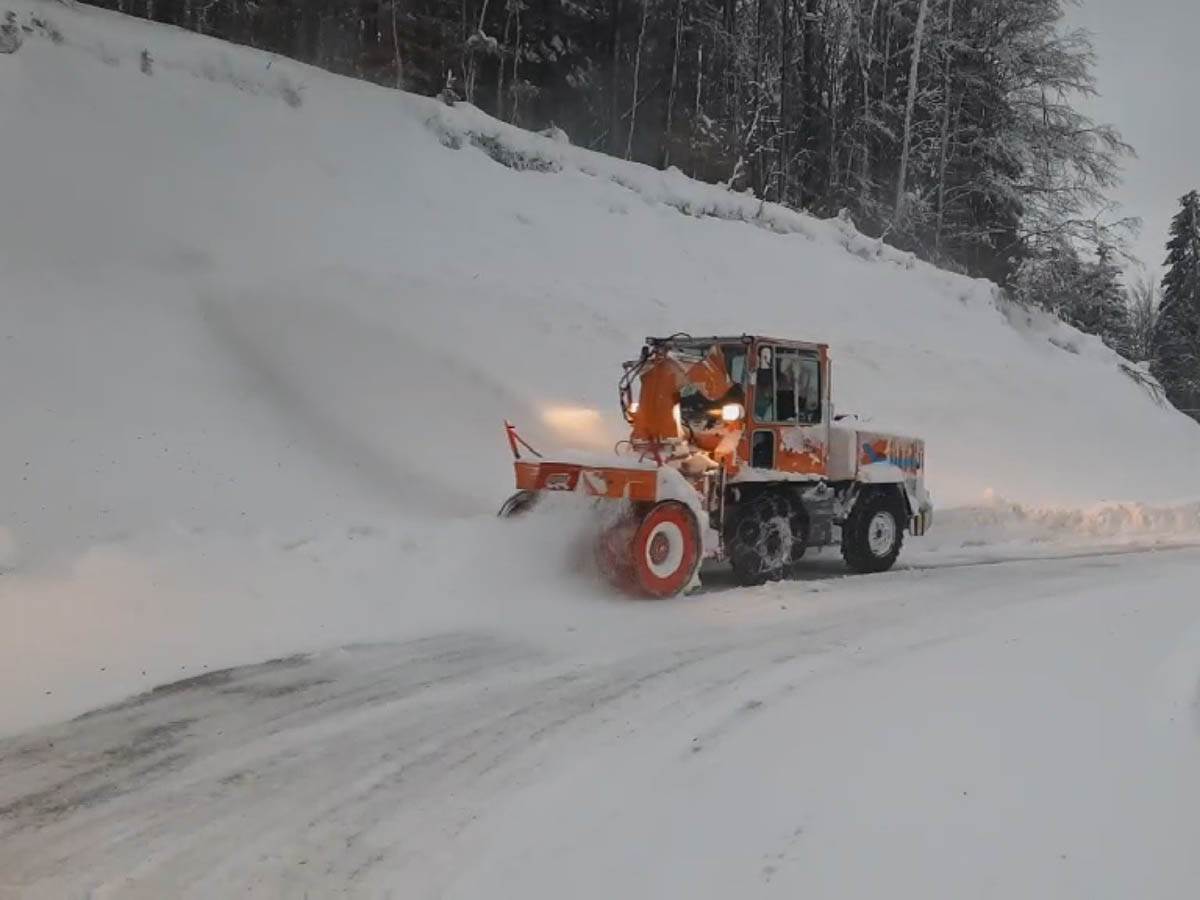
<point x="1100" y="308"/>
<point x="1177" y="334"/>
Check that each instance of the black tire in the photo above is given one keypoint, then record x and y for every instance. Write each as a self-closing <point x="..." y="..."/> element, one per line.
<point x="518" y="504"/>
<point x="873" y="534"/>
<point x="767" y="538"/>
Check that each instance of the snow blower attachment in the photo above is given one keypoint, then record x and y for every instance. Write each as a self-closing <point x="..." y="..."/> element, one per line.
<point x="734" y="454"/>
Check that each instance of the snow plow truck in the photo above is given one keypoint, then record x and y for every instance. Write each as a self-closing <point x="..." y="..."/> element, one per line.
<point x="734" y="454"/>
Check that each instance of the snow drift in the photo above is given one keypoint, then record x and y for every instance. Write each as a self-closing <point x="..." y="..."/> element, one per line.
<point x="250" y="310"/>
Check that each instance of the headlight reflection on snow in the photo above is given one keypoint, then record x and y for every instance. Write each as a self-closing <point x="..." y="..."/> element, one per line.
<point x="579" y="426"/>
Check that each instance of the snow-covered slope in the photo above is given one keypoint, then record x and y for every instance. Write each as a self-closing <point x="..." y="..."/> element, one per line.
<point x="260" y="326"/>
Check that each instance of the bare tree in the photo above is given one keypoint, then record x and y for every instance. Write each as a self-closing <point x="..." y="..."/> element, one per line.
<point x="910" y="105"/>
<point x="479" y="43"/>
<point x="668" y="131"/>
<point x="396" y="46"/>
<point x="1143" y="299"/>
<point x="944" y="143"/>
<point x="614" y="102"/>
<point x="516" y="65"/>
<point x="500" y="68"/>
<point x="637" y="72"/>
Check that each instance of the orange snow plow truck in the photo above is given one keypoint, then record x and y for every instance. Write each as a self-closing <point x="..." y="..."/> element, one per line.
<point x="735" y="454"/>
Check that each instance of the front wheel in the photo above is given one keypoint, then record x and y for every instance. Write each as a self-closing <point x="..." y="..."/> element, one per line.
<point x="665" y="550"/>
<point x="873" y="534"/>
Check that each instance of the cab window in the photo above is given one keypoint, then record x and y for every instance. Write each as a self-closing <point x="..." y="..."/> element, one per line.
<point x="787" y="386"/>
<point x="735" y="362"/>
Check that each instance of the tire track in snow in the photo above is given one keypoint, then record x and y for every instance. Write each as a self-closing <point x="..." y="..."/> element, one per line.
<point x="365" y="746"/>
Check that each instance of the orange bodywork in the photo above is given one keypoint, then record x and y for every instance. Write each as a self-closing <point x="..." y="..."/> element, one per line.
<point x="654" y="418"/>
<point x="596" y="481"/>
<point x="662" y="382"/>
<point x="807" y="463"/>
<point x="710" y="376"/>
<point x="800" y="452"/>
<point x="721" y="442"/>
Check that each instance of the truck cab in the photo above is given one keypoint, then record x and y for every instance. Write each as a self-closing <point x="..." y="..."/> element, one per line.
<point x="788" y="443"/>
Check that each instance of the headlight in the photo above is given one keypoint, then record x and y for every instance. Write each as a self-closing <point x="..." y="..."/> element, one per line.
<point x="678" y="415"/>
<point x="633" y="407"/>
<point x="732" y="412"/>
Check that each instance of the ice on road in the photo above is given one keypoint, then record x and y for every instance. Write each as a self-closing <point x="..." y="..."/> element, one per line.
<point x="1026" y="729"/>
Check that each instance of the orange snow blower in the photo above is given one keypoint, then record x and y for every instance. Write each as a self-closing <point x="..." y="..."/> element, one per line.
<point x="734" y="454"/>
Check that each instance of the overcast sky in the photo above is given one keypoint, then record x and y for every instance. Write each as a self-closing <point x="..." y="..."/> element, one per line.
<point x="1148" y="67"/>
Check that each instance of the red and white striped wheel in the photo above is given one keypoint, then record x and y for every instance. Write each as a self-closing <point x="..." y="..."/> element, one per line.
<point x="665" y="550"/>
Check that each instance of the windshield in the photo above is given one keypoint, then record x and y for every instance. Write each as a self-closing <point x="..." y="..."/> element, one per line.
<point x="698" y="410"/>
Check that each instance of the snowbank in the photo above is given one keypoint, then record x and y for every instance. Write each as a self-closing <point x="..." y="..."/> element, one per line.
<point x="241" y="297"/>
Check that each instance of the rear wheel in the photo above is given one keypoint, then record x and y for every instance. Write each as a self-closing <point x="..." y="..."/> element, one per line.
<point x="768" y="538"/>
<point x="873" y="534"/>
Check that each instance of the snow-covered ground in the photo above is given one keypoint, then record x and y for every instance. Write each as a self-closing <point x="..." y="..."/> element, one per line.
<point x="260" y="327"/>
<point x="1025" y="730"/>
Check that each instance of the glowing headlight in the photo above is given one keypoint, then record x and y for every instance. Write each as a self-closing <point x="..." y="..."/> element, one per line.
<point x="732" y="412"/>
<point x="677" y="414"/>
<point x="633" y="407"/>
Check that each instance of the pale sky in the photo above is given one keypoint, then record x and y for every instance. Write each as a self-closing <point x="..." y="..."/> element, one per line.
<point x="1148" y="68"/>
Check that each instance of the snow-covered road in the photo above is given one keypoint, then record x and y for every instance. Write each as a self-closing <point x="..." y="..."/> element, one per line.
<point x="1024" y="729"/>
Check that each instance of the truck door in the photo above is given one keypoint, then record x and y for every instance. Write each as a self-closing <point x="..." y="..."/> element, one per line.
<point x="789" y="425"/>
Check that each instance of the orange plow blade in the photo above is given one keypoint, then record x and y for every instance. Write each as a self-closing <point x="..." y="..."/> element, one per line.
<point x="612" y="482"/>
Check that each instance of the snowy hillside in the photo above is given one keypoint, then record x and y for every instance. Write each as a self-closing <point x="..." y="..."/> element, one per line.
<point x="261" y="326"/>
